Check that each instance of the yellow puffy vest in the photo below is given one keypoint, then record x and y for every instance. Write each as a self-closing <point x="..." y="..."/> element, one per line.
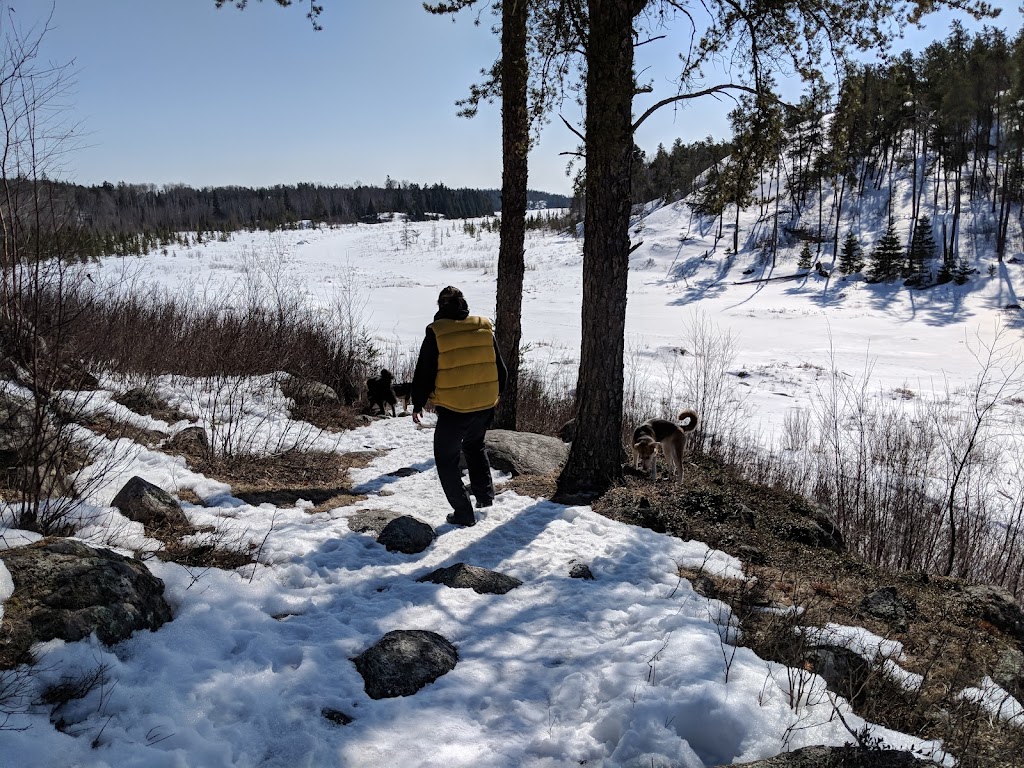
<point x="467" y="375"/>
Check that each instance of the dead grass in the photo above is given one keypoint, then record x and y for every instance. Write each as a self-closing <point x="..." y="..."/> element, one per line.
<point x="284" y="479"/>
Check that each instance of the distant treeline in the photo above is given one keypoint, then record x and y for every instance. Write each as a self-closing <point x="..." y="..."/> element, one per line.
<point x="134" y="208"/>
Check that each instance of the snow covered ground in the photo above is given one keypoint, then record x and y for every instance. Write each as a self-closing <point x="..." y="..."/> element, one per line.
<point x="625" y="670"/>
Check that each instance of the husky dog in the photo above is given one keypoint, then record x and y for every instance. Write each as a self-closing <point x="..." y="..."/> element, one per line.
<point x="403" y="391"/>
<point x="380" y="392"/>
<point x="674" y="440"/>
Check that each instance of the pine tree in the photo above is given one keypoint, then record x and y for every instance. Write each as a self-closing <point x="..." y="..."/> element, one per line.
<point x="962" y="272"/>
<point x="887" y="258"/>
<point x="805" y="260"/>
<point x="851" y="259"/>
<point x="922" y="250"/>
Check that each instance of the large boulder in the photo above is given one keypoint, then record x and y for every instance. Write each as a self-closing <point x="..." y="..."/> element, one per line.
<point x="525" y="453"/>
<point x="151" y="505"/>
<point x="403" y="661"/>
<point x="66" y="589"/>
<point x="307" y="392"/>
<point x="481" y="580"/>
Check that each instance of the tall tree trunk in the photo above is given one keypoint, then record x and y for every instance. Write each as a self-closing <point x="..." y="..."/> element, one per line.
<point x="595" y="458"/>
<point x="515" y="140"/>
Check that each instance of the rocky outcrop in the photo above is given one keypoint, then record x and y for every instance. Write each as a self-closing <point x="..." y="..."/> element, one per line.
<point x="403" y="661"/>
<point x="66" y="589"/>
<point x="481" y="580"/>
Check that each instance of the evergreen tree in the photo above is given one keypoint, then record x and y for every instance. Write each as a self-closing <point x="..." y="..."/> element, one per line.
<point x="805" y="260"/>
<point x="887" y="258"/>
<point x="851" y="260"/>
<point x="922" y="250"/>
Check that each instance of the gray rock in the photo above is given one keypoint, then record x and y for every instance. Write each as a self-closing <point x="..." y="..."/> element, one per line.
<point x="525" y="453"/>
<point x="567" y="432"/>
<point x="403" y="661"/>
<point x="371" y="521"/>
<point x="889" y="606"/>
<point x="839" y="757"/>
<point x="823" y="531"/>
<point x="845" y="673"/>
<point x="66" y="589"/>
<point x="406" y="534"/>
<point x="190" y="440"/>
<point x="580" y="571"/>
<point x="997" y="606"/>
<point x="481" y="580"/>
<point x="157" y="510"/>
<point x="140" y="400"/>
<point x="307" y="391"/>
<point x="1008" y="672"/>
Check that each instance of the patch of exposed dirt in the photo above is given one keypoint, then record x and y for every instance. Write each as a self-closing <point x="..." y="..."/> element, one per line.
<point x="331" y="417"/>
<point x="282" y="480"/>
<point x="102" y="424"/>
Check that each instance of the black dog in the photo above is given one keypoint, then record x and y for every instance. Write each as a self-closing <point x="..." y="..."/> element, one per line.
<point x="380" y="393"/>
<point x="403" y="391"/>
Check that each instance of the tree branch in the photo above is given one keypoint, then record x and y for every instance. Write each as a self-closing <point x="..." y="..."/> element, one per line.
<point x="568" y="125"/>
<point x="724" y="87"/>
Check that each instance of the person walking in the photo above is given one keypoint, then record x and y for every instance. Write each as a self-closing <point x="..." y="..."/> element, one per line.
<point x="461" y="371"/>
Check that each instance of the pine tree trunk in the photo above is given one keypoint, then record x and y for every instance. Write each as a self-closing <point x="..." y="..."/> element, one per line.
<point x="595" y="458"/>
<point x="515" y="136"/>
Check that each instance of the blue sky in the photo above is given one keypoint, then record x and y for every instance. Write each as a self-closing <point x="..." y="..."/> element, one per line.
<point x="177" y="91"/>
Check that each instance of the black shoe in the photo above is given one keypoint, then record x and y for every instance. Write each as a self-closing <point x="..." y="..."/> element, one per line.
<point x="460" y="521"/>
<point x="484" y="503"/>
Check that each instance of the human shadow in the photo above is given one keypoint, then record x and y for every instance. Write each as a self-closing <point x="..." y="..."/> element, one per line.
<point x="382" y="481"/>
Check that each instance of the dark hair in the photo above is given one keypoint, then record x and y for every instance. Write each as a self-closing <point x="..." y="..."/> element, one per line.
<point x="449" y="295"/>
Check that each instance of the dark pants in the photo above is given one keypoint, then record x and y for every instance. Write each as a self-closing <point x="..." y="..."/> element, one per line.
<point x="457" y="433"/>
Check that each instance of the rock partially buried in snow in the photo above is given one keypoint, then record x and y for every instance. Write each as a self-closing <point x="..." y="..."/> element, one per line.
<point x="407" y="535"/>
<point x="403" y="661"/>
<point x="145" y="503"/>
<point x="481" y="580"/>
<point x="371" y="521"/>
<point x="66" y="589"/>
<point x="579" y="570"/>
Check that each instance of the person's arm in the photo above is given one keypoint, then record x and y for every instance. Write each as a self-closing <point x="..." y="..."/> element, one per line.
<point x="425" y="375"/>
<point x="502" y="370"/>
